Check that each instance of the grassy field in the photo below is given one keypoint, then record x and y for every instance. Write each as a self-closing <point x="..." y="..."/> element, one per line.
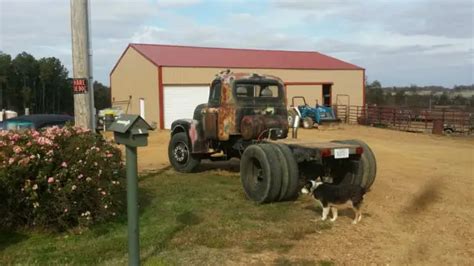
<point x="199" y="218"/>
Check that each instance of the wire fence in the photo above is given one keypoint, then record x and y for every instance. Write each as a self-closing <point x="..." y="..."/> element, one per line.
<point x="436" y="120"/>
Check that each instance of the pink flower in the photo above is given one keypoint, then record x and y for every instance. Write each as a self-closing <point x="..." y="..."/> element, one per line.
<point x="50" y="180"/>
<point x="24" y="161"/>
<point x="14" y="137"/>
<point x="64" y="164"/>
<point x="44" y="141"/>
<point x="17" y="149"/>
<point x="103" y="193"/>
<point x="108" y="155"/>
<point x="35" y="134"/>
<point x="11" y="160"/>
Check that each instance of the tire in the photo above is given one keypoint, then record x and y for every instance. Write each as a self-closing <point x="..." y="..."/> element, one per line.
<point x="348" y="172"/>
<point x="448" y="131"/>
<point x="285" y="175"/>
<point x="179" y="154"/>
<point x="260" y="180"/>
<point x="365" y="170"/>
<point x="291" y="192"/>
<point x="291" y="118"/>
<point x="308" y="122"/>
<point x="276" y="173"/>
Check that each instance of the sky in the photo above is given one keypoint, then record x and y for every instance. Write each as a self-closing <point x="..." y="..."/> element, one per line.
<point x="403" y="42"/>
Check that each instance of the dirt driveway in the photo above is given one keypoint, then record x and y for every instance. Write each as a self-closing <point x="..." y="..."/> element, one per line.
<point x="419" y="211"/>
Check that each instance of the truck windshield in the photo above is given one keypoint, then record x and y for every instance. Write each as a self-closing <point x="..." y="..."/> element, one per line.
<point x="257" y="91"/>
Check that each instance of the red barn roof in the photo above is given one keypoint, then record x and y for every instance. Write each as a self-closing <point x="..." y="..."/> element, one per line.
<point x="188" y="56"/>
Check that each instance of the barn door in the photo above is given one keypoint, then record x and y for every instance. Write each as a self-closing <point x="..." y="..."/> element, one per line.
<point x="327" y="94"/>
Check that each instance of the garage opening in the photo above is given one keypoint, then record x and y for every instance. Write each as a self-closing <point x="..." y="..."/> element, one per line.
<point x="181" y="100"/>
<point x="327" y="94"/>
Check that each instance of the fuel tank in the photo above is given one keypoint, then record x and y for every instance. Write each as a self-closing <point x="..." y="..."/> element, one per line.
<point x="259" y="126"/>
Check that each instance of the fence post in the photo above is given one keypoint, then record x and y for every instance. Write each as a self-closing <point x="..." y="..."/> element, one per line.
<point x="394" y="114"/>
<point x="443" y="117"/>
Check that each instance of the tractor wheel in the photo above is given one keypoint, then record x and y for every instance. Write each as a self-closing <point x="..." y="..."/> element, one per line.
<point x="260" y="180"/>
<point x="179" y="154"/>
<point x="308" y="122"/>
<point x="292" y="114"/>
<point x="291" y="191"/>
<point x="365" y="169"/>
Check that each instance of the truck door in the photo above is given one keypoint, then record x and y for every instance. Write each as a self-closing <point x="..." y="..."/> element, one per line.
<point x="211" y="113"/>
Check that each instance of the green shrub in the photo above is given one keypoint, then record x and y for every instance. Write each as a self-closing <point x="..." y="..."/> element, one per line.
<point x="59" y="178"/>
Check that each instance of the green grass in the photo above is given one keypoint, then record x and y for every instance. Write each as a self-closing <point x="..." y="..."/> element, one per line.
<point x="199" y="218"/>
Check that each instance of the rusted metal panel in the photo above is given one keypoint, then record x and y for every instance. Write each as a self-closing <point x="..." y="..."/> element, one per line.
<point x="210" y="123"/>
<point x="438" y="127"/>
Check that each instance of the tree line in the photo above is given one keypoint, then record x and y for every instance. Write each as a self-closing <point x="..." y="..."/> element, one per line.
<point x="42" y="85"/>
<point x="417" y="96"/>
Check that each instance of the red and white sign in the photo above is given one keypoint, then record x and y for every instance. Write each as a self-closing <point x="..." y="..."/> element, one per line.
<point x="79" y="86"/>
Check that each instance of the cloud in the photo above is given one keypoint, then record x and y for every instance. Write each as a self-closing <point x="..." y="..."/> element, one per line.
<point x="176" y="3"/>
<point x="452" y="18"/>
<point x="398" y="42"/>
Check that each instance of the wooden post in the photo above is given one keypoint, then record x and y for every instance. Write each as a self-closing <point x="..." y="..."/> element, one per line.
<point x="83" y="100"/>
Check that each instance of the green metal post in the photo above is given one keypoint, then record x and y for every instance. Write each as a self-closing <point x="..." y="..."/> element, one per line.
<point x="132" y="206"/>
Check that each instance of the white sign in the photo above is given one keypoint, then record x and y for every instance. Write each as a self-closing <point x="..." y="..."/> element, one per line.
<point x="123" y="122"/>
<point x="341" y="153"/>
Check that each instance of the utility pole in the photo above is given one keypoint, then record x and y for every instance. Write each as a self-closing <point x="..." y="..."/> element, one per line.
<point x="81" y="62"/>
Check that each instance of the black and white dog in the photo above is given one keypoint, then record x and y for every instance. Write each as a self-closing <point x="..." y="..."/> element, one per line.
<point x="333" y="197"/>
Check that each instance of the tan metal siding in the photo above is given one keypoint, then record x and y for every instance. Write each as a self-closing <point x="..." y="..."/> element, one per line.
<point x="136" y="76"/>
<point x="345" y="81"/>
<point x="310" y="92"/>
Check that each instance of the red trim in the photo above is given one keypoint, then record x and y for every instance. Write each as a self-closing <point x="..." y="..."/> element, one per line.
<point x="120" y="59"/>
<point x="161" y="100"/>
<point x="245" y="69"/>
<point x="363" y="87"/>
<point x="146" y="57"/>
<point x="309" y="83"/>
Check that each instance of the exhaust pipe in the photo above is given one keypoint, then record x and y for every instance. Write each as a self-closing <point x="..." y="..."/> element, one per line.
<point x="296" y="124"/>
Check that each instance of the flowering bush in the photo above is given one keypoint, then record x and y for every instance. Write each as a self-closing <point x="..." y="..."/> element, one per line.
<point x="59" y="178"/>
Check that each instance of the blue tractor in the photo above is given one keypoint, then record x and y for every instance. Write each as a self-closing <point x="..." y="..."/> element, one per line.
<point x="310" y="116"/>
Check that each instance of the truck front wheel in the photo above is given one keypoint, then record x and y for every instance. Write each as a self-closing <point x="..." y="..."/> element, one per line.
<point x="179" y="154"/>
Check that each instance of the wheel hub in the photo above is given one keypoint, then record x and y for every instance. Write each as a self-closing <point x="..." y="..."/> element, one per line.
<point x="181" y="153"/>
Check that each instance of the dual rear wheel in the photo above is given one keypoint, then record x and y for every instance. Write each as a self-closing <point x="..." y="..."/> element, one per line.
<point x="360" y="172"/>
<point x="269" y="173"/>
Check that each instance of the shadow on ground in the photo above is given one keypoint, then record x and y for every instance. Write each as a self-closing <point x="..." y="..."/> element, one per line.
<point x="10" y="238"/>
<point x="233" y="165"/>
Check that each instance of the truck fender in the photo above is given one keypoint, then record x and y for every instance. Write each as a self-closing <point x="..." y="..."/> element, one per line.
<point x="191" y="128"/>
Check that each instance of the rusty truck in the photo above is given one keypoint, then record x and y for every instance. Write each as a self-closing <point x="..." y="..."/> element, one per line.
<point x="246" y="118"/>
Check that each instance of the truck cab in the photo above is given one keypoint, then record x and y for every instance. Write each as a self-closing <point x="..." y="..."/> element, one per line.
<point x="242" y="108"/>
